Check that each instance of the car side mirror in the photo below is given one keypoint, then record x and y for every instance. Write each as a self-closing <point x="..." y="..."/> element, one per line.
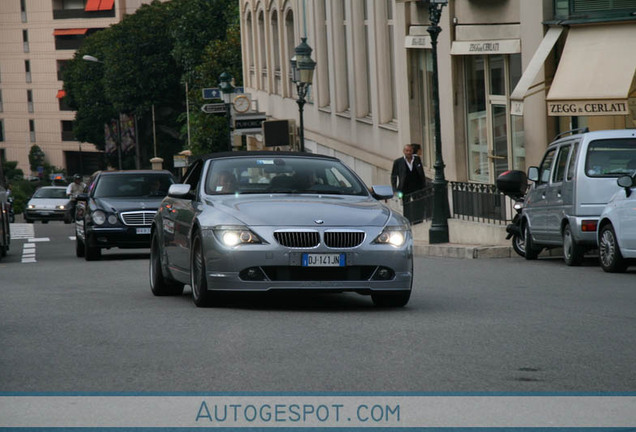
<point x="179" y="190"/>
<point x="82" y="197"/>
<point x="533" y="173"/>
<point x="626" y="182"/>
<point x="382" y="192"/>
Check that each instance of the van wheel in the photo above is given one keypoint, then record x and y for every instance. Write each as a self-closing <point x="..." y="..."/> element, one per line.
<point x="572" y="252"/>
<point x="532" y="251"/>
<point x="610" y="256"/>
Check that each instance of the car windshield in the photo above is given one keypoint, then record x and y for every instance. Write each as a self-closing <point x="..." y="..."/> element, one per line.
<point x="285" y="174"/>
<point x="50" y="193"/>
<point x="132" y="185"/>
<point x="611" y="158"/>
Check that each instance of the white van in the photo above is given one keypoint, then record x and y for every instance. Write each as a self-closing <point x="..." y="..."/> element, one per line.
<point x="570" y="188"/>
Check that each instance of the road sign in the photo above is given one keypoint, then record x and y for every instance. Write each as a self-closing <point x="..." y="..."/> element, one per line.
<point x="212" y="93"/>
<point x="249" y="121"/>
<point x="214" y="108"/>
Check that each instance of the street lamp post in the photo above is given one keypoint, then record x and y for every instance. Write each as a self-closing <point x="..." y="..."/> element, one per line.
<point x="438" y="232"/>
<point x="225" y="84"/>
<point x="302" y="67"/>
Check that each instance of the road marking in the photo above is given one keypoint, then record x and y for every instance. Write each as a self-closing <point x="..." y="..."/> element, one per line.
<point x="22" y="231"/>
<point x="28" y="253"/>
<point x="40" y="239"/>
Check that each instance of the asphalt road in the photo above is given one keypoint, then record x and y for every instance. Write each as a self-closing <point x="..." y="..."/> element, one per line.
<point x="487" y="325"/>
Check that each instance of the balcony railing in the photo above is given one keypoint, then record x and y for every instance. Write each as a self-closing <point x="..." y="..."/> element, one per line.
<point x="82" y="14"/>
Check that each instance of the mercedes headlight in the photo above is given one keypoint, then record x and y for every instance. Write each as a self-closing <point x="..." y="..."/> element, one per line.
<point x="394" y="236"/>
<point x="231" y="236"/>
<point x="98" y="217"/>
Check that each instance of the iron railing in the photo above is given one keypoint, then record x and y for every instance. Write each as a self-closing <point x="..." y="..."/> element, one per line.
<point x="468" y="201"/>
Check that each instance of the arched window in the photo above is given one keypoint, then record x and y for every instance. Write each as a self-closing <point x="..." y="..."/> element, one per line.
<point x="250" y="54"/>
<point x="274" y="37"/>
<point x="290" y="40"/>
<point x="262" y="52"/>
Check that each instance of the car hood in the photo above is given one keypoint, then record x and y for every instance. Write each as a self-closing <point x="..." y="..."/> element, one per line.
<point x="47" y="202"/>
<point x="127" y="204"/>
<point x="303" y="210"/>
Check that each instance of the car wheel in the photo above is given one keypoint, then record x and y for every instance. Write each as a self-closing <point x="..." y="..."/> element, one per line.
<point x="610" y="255"/>
<point x="45" y="221"/>
<point x="159" y="284"/>
<point x="92" y="253"/>
<point x="532" y="251"/>
<point x="573" y="253"/>
<point x="80" y="249"/>
<point x="391" y="299"/>
<point x="519" y="245"/>
<point x="27" y="220"/>
<point x="198" y="281"/>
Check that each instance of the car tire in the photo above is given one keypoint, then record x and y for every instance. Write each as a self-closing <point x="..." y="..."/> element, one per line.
<point x="573" y="252"/>
<point x="532" y="251"/>
<point x="91" y="253"/>
<point x="519" y="245"/>
<point x="159" y="284"/>
<point x="391" y="298"/>
<point x="198" y="281"/>
<point x="27" y="220"/>
<point x="609" y="253"/>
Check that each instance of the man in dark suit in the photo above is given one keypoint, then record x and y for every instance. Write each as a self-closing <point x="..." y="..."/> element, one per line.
<point x="407" y="176"/>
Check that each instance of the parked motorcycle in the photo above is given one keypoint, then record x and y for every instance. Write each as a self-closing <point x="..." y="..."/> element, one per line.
<point x="514" y="183"/>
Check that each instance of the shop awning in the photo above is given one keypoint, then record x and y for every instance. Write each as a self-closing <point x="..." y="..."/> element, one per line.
<point x="525" y="86"/>
<point x="595" y="75"/>
<point x="69" y="32"/>
<point x="98" y="5"/>
<point x="60" y="94"/>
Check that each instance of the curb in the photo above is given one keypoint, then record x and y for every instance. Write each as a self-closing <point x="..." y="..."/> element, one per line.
<point x="450" y="250"/>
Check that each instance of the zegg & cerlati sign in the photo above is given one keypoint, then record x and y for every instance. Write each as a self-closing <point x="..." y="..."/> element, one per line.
<point x="588" y="108"/>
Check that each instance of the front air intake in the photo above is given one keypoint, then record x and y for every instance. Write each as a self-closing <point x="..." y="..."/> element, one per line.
<point x="298" y="239"/>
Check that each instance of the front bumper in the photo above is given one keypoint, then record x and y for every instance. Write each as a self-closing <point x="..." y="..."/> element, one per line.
<point x="45" y="215"/>
<point x="271" y="267"/>
<point x="121" y="237"/>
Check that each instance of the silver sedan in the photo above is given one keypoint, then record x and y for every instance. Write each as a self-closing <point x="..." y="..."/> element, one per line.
<point x="265" y="221"/>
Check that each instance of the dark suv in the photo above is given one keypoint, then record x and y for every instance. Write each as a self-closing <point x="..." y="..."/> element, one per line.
<point x="117" y="209"/>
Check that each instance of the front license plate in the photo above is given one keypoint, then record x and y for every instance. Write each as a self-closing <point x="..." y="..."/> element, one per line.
<point x="323" y="260"/>
<point x="143" y="230"/>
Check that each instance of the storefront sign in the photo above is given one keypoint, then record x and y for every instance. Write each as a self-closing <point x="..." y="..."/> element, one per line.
<point x="421" y="42"/>
<point x="504" y="46"/>
<point x="588" y="108"/>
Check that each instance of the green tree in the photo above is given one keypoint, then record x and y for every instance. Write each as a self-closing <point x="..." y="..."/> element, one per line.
<point x="36" y="157"/>
<point x="145" y="61"/>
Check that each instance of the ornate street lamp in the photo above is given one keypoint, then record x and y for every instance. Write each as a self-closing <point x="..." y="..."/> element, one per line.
<point x="302" y="67"/>
<point x="225" y="84"/>
<point x="438" y="233"/>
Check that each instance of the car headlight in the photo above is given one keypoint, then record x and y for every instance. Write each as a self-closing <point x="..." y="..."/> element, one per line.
<point x="98" y="217"/>
<point x="31" y="206"/>
<point x="60" y="207"/>
<point x="394" y="236"/>
<point x="233" y="236"/>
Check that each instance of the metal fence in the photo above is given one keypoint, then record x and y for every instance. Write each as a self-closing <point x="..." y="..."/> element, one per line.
<point x="468" y="201"/>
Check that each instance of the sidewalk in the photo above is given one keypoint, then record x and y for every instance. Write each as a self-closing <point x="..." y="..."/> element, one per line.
<point x="464" y="251"/>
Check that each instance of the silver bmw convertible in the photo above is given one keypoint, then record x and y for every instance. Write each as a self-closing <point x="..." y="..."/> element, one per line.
<point x="266" y="221"/>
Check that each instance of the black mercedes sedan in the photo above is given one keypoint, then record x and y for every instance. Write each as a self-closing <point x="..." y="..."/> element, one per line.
<point x="117" y="209"/>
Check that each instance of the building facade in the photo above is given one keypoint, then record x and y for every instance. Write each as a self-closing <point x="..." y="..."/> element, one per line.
<point x="512" y="75"/>
<point x="37" y="37"/>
